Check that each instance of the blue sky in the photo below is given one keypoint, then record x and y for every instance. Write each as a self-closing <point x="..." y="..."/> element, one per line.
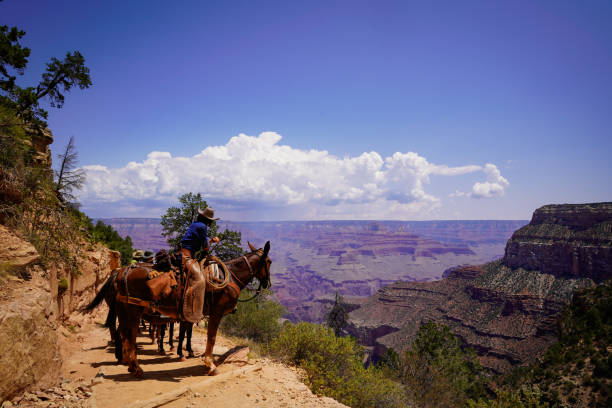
<point x="523" y="86"/>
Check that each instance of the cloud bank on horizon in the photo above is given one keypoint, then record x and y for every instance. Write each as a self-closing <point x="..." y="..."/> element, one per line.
<point x="257" y="174"/>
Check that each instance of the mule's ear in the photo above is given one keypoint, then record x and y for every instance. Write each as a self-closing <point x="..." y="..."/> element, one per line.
<point x="252" y="247"/>
<point x="266" y="249"/>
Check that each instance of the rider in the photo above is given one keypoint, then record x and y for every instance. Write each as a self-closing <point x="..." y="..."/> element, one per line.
<point x="195" y="238"/>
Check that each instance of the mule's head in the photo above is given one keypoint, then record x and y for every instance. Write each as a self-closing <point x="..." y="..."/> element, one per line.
<point x="262" y="270"/>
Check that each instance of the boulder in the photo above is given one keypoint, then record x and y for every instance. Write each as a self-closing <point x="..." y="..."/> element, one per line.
<point x="14" y="251"/>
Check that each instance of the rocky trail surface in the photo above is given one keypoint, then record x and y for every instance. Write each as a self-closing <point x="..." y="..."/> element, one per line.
<point x="91" y="378"/>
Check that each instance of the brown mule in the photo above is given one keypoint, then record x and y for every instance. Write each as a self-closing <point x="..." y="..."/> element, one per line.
<point x="132" y="282"/>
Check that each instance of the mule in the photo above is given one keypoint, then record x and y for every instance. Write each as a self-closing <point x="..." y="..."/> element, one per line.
<point x="132" y="283"/>
<point x="108" y="293"/>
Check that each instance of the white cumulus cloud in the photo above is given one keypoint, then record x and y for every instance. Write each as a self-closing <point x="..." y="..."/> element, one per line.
<point x="251" y="170"/>
<point x="493" y="187"/>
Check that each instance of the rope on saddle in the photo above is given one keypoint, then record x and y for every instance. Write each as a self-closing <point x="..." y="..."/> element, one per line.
<point x="211" y="282"/>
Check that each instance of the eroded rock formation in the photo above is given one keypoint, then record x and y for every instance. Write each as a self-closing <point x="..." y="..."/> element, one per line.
<point x="506" y="309"/>
<point x="32" y="309"/>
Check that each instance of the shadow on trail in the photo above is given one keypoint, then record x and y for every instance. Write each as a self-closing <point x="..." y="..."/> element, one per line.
<point x="169" y="375"/>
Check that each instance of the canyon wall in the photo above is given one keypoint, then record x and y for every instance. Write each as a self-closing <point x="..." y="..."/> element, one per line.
<point x="33" y="304"/>
<point x="507" y="309"/>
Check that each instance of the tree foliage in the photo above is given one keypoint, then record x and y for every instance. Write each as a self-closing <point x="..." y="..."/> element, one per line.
<point x="13" y="57"/>
<point x="59" y="78"/>
<point x="576" y="370"/>
<point x="107" y="235"/>
<point x="438" y="371"/>
<point x="177" y="220"/>
<point x="337" y="317"/>
<point x="29" y="201"/>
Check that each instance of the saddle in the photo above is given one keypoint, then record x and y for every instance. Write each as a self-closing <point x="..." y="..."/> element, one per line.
<point x="216" y="273"/>
<point x="161" y="284"/>
<point x="188" y="305"/>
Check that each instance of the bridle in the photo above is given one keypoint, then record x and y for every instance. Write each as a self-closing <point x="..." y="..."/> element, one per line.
<point x="260" y="253"/>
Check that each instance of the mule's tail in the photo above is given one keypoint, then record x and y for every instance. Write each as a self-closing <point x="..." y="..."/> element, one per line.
<point x="111" y="316"/>
<point x="101" y="294"/>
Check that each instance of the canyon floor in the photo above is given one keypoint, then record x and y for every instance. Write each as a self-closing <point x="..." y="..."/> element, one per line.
<point x="246" y="381"/>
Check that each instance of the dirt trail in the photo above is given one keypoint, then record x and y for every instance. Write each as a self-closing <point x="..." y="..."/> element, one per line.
<point x="168" y="382"/>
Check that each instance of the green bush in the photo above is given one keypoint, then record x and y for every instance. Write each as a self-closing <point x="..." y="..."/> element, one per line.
<point x="62" y="285"/>
<point x="438" y="371"/>
<point x="524" y="398"/>
<point x="257" y="320"/>
<point x="334" y="366"/>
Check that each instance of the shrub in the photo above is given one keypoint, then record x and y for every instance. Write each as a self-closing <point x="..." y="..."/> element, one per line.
<point x="256" y="320"/>
<point x="62" y="285"/>
<point x="437" y="371"/>
<point x="526" y="397"/>
<point x="334" y="366"/>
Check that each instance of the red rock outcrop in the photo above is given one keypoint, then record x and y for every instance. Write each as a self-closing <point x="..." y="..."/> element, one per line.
<point x="568" y="240"/>
<point x="31" y="310"/>
<point x="506" y="309"/>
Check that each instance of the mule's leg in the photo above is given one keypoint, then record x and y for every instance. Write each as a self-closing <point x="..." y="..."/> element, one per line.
<point x="134" y="316"/>
<point x="213" y="325"/>
<point x="189" y="333"/>
<point x="134" y="367"/>
<point x="118" y="347"/>
<point x="152" y="330"/>
<point x="160" y="340"/>
<point x="111" y="323"/>
<point x="122" y="337"/>
<point x="171" y="340"/>
<point x="129" y="320"/>
<point x="180" y="341"/>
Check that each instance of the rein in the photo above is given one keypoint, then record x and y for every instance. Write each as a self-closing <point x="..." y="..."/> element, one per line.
<point x="251" y="275"/>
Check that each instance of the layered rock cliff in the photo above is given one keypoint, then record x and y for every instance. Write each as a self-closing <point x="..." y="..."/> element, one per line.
<point x="506" y="309"/>
<point x="32" y="309"/>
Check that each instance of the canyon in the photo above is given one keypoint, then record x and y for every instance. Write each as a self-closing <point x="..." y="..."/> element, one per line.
<point x="506" y="309"/>
<point x="315" y="259"/>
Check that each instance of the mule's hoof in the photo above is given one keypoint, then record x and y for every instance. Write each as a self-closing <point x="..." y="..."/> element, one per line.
<point x="190" y="354"/>
<point x="182" y="358"/>
<point x="161" y="352"/>
<point x="171" y="348"/>
<point x="138" y="373"/>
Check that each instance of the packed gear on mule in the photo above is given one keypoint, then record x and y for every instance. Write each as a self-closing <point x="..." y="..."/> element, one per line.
<point x="195" y="238"/>
<point x="145" y="256"/>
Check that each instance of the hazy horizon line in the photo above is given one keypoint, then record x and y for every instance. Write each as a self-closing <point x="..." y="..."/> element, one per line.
<point x="335" y="220"/>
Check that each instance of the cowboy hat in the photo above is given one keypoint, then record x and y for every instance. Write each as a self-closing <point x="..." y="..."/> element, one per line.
<point x="138" y="254"/>
<point x="207" y="213"/>
<point x="148" y="254"/>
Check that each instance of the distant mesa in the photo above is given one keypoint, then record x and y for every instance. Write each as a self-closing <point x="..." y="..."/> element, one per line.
<point x="507" y="309"/>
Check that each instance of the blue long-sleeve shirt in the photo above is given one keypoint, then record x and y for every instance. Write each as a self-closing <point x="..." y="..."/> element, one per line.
<point x="196" y="237"/>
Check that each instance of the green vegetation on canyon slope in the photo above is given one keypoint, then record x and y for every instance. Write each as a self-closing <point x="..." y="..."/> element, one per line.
<point x="576" y="370"/>
<point x="34" y="200"/>
<point x="437" y="369"/>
